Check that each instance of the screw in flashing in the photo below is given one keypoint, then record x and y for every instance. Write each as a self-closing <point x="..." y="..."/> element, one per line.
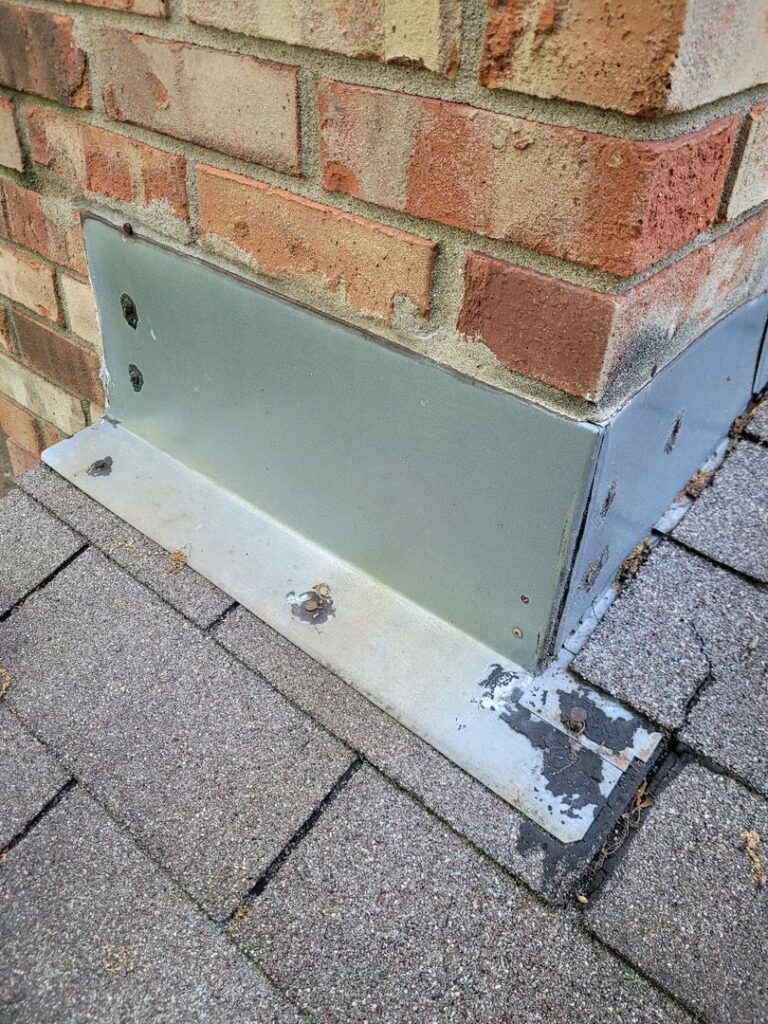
<point x="576" y="720"/>
<point x="127" y="229"/>
<point x="517" y="633"/>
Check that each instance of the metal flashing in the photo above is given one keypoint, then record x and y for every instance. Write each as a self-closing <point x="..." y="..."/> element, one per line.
<point x="428" y="538"/>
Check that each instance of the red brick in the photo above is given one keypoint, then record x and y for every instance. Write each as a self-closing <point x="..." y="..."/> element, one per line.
<point x="29" y="282"/>
<point x="425" y="34"/>
<point x="149" y="8"/>
<point x="21" y="460"/>
<point x="18" y="424"/>
<point x="233" y="103"/>
<point x="51" y="435"/>
<point x="74" y="366"/>
<point x="39" y="53"/>
<point x="285" y="236"/>
<point x="750" y="186"/>
<point x="102" y="162"/>
<point x="639" y="56"/>
<point x="576" y="339"/>
<point x="10" y="149"/>
<point x="615" y="204"/>
<point x="43" y="224"/>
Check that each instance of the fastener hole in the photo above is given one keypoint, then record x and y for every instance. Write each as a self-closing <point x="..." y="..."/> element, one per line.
<point x="136" y="377"/>
<point x="130" y="313"/>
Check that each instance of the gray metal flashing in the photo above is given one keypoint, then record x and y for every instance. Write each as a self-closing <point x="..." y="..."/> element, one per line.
<point x="423" y="535"/>
<point x="655" y="443"/>
<point x="455" y="692"/>
<point x="761" y="374"/>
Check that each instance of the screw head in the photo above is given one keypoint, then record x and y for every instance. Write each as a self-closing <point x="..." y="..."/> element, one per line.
<point x="517" y="633"/>
<point x="525" y="599"/>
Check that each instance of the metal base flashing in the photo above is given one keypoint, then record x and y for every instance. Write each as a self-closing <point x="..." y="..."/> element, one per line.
<point x="428" y="538"/>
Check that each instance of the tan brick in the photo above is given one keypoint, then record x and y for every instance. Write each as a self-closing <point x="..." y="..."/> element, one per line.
<point x="74" y="366"/>
<point x="80" y="309"/>
<point x="40" y="396"/>
<point x="19" y="424"/>
<point x="611" y="203"/>
<point x="750" y="186"/>
<point x="236" y="104"/>
<point x="47" y="226"/>
<point x="10" y="150"/>
<point x="639" y="56"/>
<point x="21" y="460"/>
<point x="39" y="53"/>
<point x="150" y="8"/>
<point x="426" y="34"/>
<point x="576" y="339"/>
<point x="285" y="236"/>
<point x="6" y="344"/>
<point x="104" y="163"/>
<point x="24" y="280"/>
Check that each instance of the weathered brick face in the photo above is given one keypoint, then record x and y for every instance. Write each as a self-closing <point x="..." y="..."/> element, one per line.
<point x="609" y="203"/>
<point x="575" y="338"/>
<point x="40" y="53"/>
<point x="291" y="238"/>
<point x="488" y="182"/>
<point x="424" y="34"/>
<point x="10" y="147"/>
<point x="638" y="56"/>
<point x="42" y="224"/>
<point x="102" y="162"/>
<point x="73" y="366"/>
<point x="750" y="186"/>
<point x="224" y="101"/>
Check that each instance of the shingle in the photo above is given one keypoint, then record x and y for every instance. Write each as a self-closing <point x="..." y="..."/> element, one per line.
<point x="183" y="588"/>
<point x="29" y="777"/>
<point x="208" y="765"/>
<point x="681" y="621"/>
<point x="729" y="522"/>
<point x="684" y="905"/>
<point x="92" y="931"/>
<point x="32" y="545"/>
<point x="758" y="424"/>
<point x="546" y="865"/>
<point x="381" y="914"/>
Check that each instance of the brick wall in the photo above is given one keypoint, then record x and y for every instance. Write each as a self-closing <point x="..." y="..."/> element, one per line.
<point x="555" y="196"/>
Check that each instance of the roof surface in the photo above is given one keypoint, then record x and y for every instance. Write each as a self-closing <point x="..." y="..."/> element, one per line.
<point x="201" y="823"/>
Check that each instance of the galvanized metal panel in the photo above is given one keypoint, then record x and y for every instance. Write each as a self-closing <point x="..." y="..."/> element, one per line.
<point x="656" y="442"/>
<point x="464" y="498"/>
<point x="458" y="694"/>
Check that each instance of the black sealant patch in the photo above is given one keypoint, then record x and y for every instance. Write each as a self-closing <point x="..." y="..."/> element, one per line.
<point x="616" y="734"/>
<point x="136" y="377"/>
<point x="101" y="467"/>
<point x="569" y="772"/>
